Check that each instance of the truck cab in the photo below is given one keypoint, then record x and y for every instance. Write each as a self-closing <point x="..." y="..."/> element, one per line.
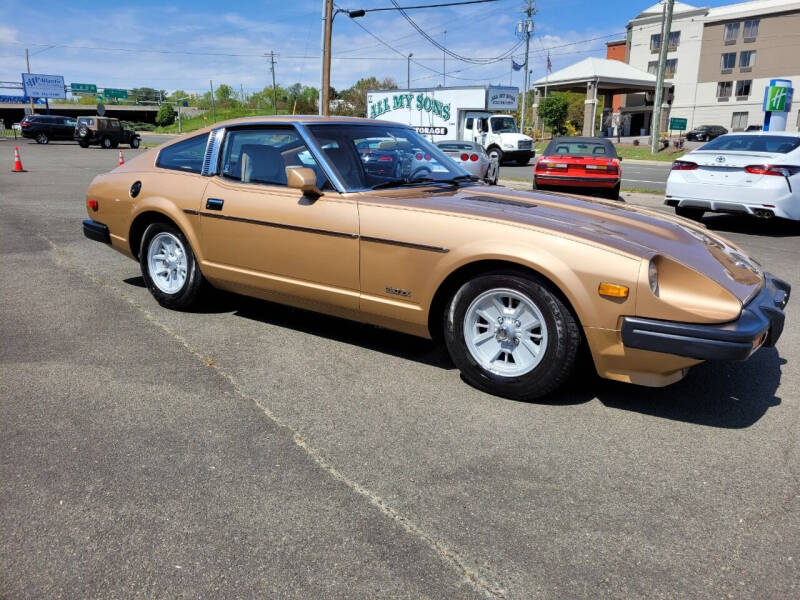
<point x="498" y="134"/>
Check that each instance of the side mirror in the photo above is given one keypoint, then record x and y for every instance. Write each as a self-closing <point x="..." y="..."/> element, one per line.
<point x="305" y="179"/>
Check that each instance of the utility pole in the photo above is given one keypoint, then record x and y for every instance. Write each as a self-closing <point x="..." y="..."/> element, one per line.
<point x="666" y="25"/>
<point x="274" y="89"/>
<point x="408" y="69"/>
<point x="526" y="28"/>
<point x="444" y="61"/>
<point x="327" y="26"/>
<point x="213" y="109"/>
<point x="28" y="65"/>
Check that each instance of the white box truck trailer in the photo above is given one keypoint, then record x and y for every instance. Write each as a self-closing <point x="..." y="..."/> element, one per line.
<point x="472" y="113"/>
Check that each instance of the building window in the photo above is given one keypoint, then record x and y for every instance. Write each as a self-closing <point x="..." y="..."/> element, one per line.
<point x="731" y="33"/>
<point x="747" y="60"/>
<point x="655" y="42"/>
<point x="652" y="67"/>
<point x="743" y="89"/>
<point x="674" y="40"/>
<point x="739" y="121"/>
<point x="751" y="30"/>
<point x="670" y="68"/>
<point x="724" y="89"/>
<point x="728" y="62"/>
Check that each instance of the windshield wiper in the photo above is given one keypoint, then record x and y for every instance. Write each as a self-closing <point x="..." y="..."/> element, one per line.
<point x="417" y="180"/>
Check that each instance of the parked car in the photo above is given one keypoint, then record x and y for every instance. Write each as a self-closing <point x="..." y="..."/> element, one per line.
<point x="514" y="282"/>
<point x="587" y="163"/>
<point x="471" y="157"/>
<point x="756" y="173"/>
<point x="104" y="131"/>
<point x="754" y="128"/>
<point x="377" y="161"/>
<point x="705" y="133"/>
<point x="44" y="128"/>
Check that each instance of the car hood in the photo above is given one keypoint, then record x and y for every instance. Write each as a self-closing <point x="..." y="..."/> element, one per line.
<point x="509" y="137"/>
<point x="632" y="230"/>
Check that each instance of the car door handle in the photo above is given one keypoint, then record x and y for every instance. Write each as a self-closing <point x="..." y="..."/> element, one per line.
<point x="214" y="203"/>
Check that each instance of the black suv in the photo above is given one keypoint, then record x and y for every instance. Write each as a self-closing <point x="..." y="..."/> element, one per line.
<point x="705" y="133"/>
<point x="105" y="131"/>
<point x="44" y="128"/>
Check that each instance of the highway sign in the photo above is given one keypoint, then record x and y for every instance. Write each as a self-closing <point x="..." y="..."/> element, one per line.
<point x="43" y="86"/>
<point x="83" y="88"/>
<point x="114" y="93"/>
<point x="676" y="124"/>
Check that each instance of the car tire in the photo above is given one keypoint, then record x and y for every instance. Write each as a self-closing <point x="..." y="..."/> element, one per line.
<point x="495" y="153"/>
<point x="41" y="138"/>
<point x="613" y="193"/>
<point x="164" y="249"/>
<point x="106" y="143"/>
<point x="695" y="214"/>
<point x="531" y="360"/>
<point x="492" y="173"/>
<point x="83" y="132"/>
<point x="135" y="143"/>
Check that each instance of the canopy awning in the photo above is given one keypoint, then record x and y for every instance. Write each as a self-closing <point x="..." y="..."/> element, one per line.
<point x="610" y="77"/>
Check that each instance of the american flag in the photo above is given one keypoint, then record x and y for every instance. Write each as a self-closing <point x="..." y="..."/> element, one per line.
<point x="549" y="64"/>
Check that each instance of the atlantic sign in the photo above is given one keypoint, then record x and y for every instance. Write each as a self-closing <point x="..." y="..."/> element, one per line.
<point x="419" y="102"/>
<point x="43" y="86"/>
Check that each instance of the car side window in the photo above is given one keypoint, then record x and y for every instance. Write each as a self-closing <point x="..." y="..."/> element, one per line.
<point x="184" y="156"/>
<point x="261" y="155"/>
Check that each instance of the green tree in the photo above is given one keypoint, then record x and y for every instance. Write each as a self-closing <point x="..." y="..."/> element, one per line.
<point x="225" y="95"/>
<point x="166" y="115"/>
<point x="553" y="112"/>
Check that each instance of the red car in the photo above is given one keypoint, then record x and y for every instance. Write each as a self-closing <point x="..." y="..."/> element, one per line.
<point x="579" y="162"/>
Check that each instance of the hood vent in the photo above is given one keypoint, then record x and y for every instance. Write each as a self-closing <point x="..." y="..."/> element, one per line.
<point x="501" y="201"/>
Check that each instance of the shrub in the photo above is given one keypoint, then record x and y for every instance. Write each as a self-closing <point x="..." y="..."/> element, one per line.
<point x="166" y="115"/>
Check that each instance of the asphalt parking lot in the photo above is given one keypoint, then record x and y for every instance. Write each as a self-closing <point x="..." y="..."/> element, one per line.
<point x="251" y="450"/>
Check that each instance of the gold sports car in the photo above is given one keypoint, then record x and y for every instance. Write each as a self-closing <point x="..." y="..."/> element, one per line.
<point x="285" y="209"/>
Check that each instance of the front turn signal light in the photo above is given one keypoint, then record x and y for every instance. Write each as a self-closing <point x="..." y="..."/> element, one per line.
<point x="612" y="290"/>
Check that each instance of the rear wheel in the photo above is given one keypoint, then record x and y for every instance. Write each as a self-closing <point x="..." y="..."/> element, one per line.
<point x="695" y="214"/>
<point x="169" y="267"/>
<point x="41" y="138"/>
<point x="134" y="143"/>
<point x="613" y="193"/>
<point x="510" y="335"/>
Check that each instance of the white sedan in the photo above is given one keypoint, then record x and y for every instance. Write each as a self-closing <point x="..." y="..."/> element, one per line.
<point x="755" y="173"/>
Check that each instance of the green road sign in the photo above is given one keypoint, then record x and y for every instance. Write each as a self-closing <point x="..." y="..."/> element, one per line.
<point x="113" y="93"/>
<point x="676" y="124"/>
<point x="83" y="88"/>
<point x="776" y="99"/>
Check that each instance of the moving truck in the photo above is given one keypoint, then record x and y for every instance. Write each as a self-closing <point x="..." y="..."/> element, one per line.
<point x="471" y="113"/>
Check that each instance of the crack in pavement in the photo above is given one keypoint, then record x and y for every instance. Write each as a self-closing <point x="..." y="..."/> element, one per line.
<point x="62" y="257"/>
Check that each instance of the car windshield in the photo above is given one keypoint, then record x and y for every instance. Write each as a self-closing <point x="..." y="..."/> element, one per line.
<point x="503" y="125"/>
<point x="569" y="147"/>
<point x="371" y="156"/>
<point x="451" y="146"/>
<point x="781" y="144"/>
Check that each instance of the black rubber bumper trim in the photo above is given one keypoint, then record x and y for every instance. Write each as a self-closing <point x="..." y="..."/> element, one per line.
<point x="735" y="340"/>
<point x="96" y="231"/>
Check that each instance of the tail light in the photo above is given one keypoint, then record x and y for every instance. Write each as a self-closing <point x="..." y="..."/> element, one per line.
<point x="93" y="204"/>
<point x="777" y="170"/>
<point x="427" y="157"/>
<point x="385" y="158"/>
<point x="464" y="157"/>
<point x="24" y="124"/>
<point x="683" y="165"/>
<point x="544" y="164"/>
<point x="474" y="157"/>
<point x="418" y="156"/>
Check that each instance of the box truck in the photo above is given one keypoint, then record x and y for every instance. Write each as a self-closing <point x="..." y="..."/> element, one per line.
<point x="471" y="113"/>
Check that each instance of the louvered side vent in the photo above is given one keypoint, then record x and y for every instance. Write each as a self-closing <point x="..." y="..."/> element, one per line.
<point x="212" y="152"/>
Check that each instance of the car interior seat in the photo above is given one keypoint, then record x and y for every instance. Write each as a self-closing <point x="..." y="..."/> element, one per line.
<point x="262" y="164"/>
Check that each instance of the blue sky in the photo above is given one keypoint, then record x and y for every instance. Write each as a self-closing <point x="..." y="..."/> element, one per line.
<point x="183" y="44"/>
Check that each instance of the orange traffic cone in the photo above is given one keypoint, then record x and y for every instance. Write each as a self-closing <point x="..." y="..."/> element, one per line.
<point x="121" y="160"/>
<point x="17" y="162"/>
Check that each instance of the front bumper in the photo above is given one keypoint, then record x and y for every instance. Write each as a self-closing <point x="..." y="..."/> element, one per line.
<point x="760" y="324"/>
<point x="96" y="231"/>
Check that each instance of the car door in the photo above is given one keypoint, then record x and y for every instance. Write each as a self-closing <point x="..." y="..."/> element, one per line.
<point x="260" y="234"/>
<point x="67" y="128"/>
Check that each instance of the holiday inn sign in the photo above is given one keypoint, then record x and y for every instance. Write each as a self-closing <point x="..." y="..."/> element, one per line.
<point x="419" y="102"/>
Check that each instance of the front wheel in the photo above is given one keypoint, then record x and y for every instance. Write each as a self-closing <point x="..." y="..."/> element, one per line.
<point x="169" y="267"/>
<point x="496" y="154"/>
<point x="83" y="144"/>
<point x="135" y="143"/>
<point x="106" y="143"/>
<point x="41" y="138"/>
<point x="510" y="335"/>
